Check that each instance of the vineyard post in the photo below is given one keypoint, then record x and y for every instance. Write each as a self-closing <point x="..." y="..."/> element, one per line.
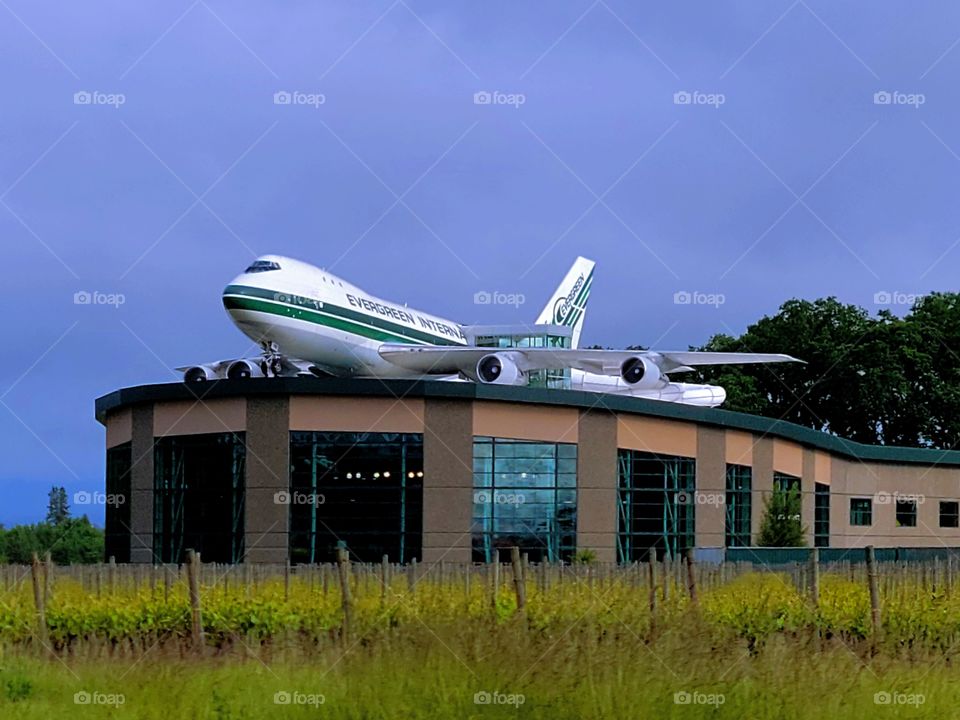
<point x="343" y="566"/>
<point x="112" y="574"/>
<point x="652" y="564"/>
<point x="47" y="577"/>
<point x="495" y="569"/>
<point x="384" y="578"/>
<point x="691" y="577"/>
<point x="815" y="576"/>
<point x="518" y="578"/>
<point x="38" y="598"/>
<point x="874" y="591"/>
<point x="286" y="580"/>
<point x="412" y="575"/>
<point x="166" y="583"/>
<point x="193" y="583"/>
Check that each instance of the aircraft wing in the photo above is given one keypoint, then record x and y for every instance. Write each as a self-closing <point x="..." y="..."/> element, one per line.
<point x="444" y="360"/>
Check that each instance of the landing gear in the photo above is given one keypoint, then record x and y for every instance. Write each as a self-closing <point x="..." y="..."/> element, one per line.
<point x="271" y="363"/>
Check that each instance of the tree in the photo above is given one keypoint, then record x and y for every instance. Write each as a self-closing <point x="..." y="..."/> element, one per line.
<point x="57" y="509"/>
<point x="781" y="526"/>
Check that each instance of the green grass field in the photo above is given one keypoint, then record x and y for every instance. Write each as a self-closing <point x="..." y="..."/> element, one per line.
<point x="752" y="647"/>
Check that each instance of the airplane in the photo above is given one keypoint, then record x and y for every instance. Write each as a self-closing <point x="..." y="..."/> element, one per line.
<point x="308" y="321"/>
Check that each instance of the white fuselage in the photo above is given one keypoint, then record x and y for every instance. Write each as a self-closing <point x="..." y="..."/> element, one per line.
<point x="321" y="318"/>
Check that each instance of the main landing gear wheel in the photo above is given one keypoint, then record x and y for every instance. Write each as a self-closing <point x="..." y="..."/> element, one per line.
<point x="272" y="363"/>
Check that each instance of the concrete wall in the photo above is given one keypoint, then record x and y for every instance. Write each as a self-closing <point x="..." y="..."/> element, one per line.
<point x="710" y="519"/>
<point x="141" y="484"/>
<point x="266" y="522"/>
<point x="597" y="484"/>
<point x="447" y="480"/>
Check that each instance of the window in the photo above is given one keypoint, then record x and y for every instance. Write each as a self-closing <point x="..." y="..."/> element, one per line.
<point x="906" y="513"/>
<point x="821" y="515"/>
<point x="198" y="501"/>
<point x="654" y="508"/>
<point x="738" y="505"/>
<point x="861" y="512"/>
<point x="364" y="490"/>
<point x="524" y="494"/>
<point x="260" y="266"/>
<point x="949" y="514"/>
<point x="117" y="532"/>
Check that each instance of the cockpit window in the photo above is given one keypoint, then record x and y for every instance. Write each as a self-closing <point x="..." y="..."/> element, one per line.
<point x="263" y="266"/>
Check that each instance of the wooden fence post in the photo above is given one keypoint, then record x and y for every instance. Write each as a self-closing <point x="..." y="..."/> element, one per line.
<point x="35" y="571"/>
<point x="874" y="591"/>
<point x="193" y="583"/>
<point x="518" y="578"/>
<point x="384" y="578"/>
<point x="343" y="566"/>
<point x="495" y="590"/>
<point x="815" y="576"/>
<point x="691" y="576"/>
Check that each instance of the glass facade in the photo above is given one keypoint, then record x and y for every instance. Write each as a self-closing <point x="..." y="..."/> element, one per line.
<point x="535" y="378"/>
<point x="906" y="513"/>
<point x="654" y="508"/>
<point x="524" y="494"/>
<point x="949" y="514"/>
<point x="198" y="497"/>
<point x="738" y="507"/>
<point x="821" y="515"/>
<point x="364" y="490"/>
<point x="117" y="514"/>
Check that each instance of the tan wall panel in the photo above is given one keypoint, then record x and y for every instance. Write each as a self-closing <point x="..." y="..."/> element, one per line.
<point x="526" y="422"/>
<point x="668" y="437"/>
<point x="353" y="414"/>
<point x="119" y="427"/>
<point x="188" y="417"/>
<point x="821" y="467"/>
<point x="788" y="458"/>
<point x="739" y="447"/>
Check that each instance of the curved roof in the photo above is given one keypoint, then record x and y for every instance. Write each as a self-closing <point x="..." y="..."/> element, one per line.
<point x="253" y="387"/>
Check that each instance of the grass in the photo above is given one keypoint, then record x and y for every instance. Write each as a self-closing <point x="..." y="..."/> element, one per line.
<point x="753" y="647"/>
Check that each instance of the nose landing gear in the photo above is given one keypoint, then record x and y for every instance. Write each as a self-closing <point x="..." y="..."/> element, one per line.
<point x="271" y="364"/>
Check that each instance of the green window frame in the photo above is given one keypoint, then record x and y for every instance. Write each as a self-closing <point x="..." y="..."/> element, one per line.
<point x="861" y="512"/>
<point x="821" y="515"/>
<point x="906" y="512"/>
<point x="738" y="505"/>
<point x="949" y="513"/>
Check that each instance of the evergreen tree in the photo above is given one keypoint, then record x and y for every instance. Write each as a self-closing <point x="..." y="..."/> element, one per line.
<point x="58" y="511"/>
<point x="781" y="525"/>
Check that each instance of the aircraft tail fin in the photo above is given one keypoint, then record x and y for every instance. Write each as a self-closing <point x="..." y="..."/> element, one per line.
<point x="568" y="305"/>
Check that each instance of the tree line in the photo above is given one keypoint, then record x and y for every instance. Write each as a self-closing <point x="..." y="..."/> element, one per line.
<point x="69" y="540"/>
<point x="877" y="379"/>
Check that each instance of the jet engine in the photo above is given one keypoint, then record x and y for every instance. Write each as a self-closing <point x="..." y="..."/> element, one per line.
<point x="498" y="369"/>
<point x="200" y="373"/>
<point x="241" y="369"/>
<point x="640" y="374"/>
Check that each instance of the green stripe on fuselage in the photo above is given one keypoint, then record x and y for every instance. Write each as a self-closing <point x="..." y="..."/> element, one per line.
<point x="243" y="297"/>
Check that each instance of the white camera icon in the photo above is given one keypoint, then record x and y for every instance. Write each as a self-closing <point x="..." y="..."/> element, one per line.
<point x="482" y="98"/>
<point x="282" y="97"/>
<point x="682" y="297"/>
<point x="281" y="498"/>
<point x="281" y="697"/>
<point x="882" y="97"/>
<point x="882" y="698"/>
<point x="82" y="98"/>
<point x="82" y="298"/>
<point x="82" y="498"/>
<point x="682" y="98"/>
<point x="482" y="698"/>
<point x="482" y="298"/>
<point x="81" y="698"/>
<point x="682" y="698"/>
<point x="882" y="298"/>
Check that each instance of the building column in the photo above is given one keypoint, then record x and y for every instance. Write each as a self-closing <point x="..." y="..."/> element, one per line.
<point x="808" y="488"/>
<point x="141" y="485"/>
<point x="597" y="484"/>
<point x="447" y="480"/>
<point x="710" y="516"/>
<point x="761" y="483"/>
<point x="266" y="521"/>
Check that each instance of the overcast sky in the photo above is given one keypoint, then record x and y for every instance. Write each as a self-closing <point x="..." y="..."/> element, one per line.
<point x="733" y="149"/>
